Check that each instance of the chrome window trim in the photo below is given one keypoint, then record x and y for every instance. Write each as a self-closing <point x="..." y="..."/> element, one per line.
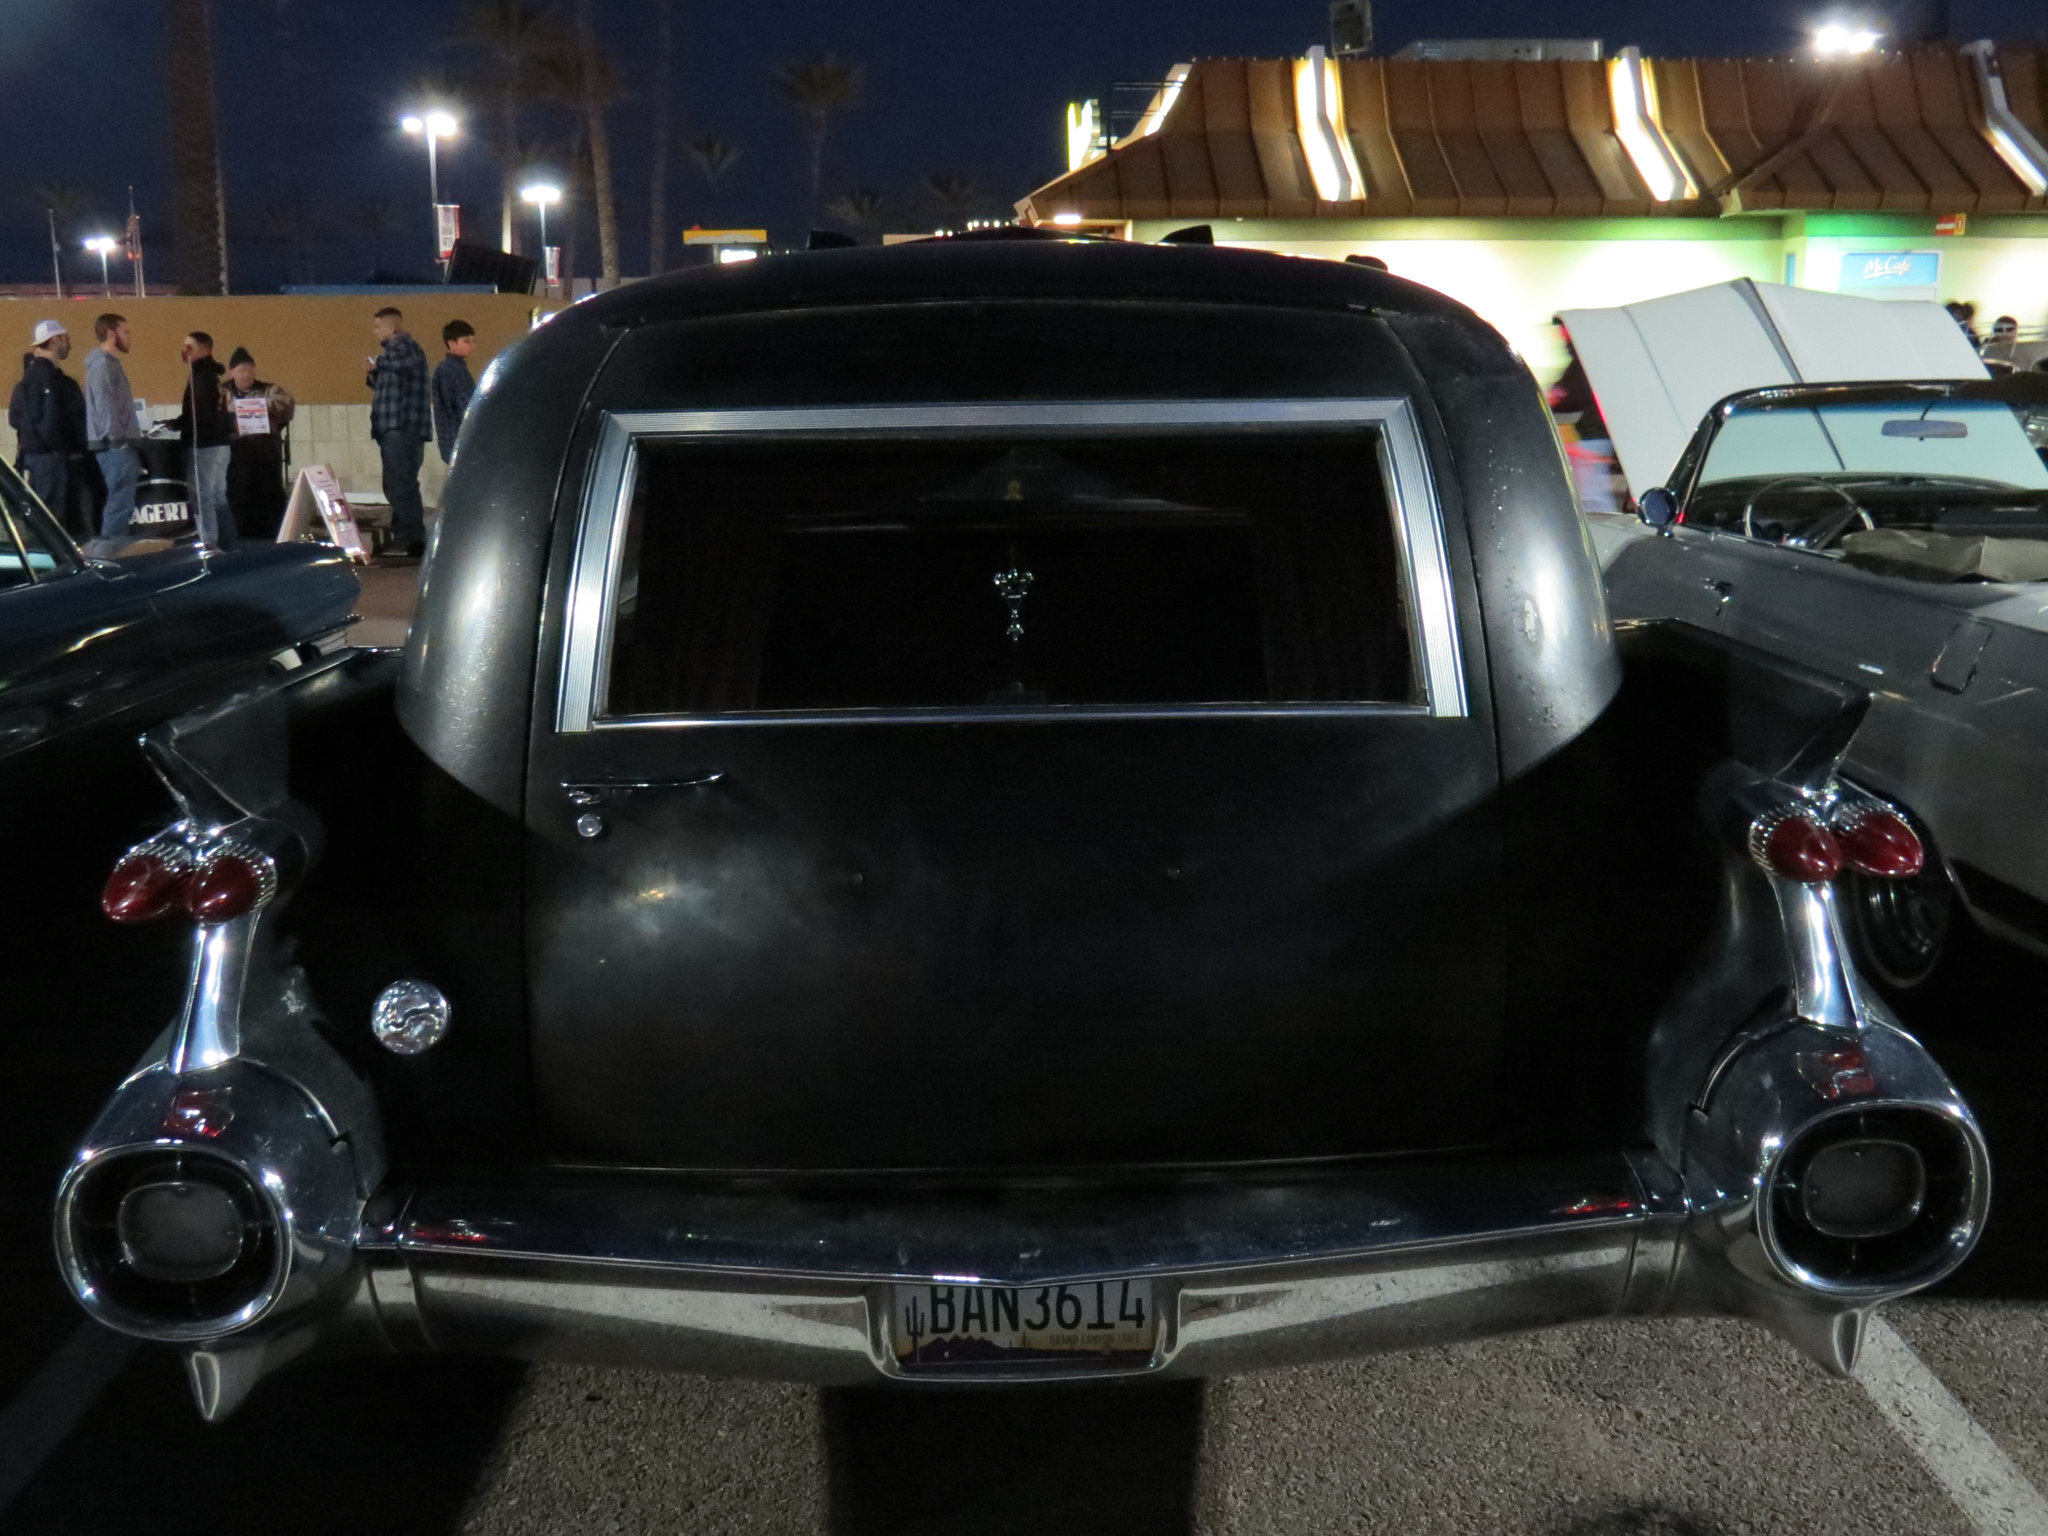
<point x="607" y="506"/>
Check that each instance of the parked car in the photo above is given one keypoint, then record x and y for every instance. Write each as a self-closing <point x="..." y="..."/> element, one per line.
<point x="92" y="653"/>
<point x="1005" y="810"/>
<point x="1896" y="533"/>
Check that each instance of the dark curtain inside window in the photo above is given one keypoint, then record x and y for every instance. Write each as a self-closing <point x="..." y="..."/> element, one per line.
<point x="814" y="575"/>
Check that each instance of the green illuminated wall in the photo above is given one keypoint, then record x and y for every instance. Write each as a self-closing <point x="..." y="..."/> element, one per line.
<point x="1519" y="272"/>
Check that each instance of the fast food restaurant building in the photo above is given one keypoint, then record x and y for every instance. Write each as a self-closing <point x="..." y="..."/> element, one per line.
<point x="1525" y="187"/>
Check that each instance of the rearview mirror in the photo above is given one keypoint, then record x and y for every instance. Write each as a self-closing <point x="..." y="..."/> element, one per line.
<point x="1920" y="426"/>
<point x="1658" y="507"/>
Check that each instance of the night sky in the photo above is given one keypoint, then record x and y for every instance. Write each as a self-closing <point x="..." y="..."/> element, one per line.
<point x="309" y="95"/>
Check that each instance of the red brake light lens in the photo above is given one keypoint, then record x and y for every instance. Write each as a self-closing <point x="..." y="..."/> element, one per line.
<point x="1880" y="843"/>
<point x="1795" y="846"/>
<point x="227" y="886"/>
<point x="144" y="886"/>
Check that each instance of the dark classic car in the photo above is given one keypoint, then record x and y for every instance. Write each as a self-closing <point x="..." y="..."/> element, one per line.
<point x="92" y="652"/>
<point x="1896" y="534"/>
<point x="1012" y="810"/>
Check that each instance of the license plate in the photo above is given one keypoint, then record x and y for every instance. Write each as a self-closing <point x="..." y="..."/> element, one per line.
<point x="1090" y="1323"/>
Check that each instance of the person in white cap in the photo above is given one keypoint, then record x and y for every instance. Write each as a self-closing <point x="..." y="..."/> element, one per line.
<point x="47" y="413"/>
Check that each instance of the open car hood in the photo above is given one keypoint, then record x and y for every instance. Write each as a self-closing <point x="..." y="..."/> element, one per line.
<point x="1657" y="367"/>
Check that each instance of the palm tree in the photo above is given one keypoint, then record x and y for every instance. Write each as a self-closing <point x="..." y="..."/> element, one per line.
<point x="819" y="87"/>
<point x="595" y="101"/>
<point x="859" y="208"/>
<point x="199" y="218"/>
<point x="954" y="192"/>
<point x="285" y="226"/>
<point x="658" y="125"/>
<point x="714" y="156"/>
<point x="513" y="40"/>
<point x="378" y="219"/>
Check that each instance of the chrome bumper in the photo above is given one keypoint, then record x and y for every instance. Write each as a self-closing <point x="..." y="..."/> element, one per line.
<point x="757" y="1280"/>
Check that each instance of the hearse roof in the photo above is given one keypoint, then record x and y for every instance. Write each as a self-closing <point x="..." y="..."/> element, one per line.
<point x="967" y="268"/>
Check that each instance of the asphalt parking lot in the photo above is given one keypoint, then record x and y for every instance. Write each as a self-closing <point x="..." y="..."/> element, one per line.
<point x="1685" y="1428"/>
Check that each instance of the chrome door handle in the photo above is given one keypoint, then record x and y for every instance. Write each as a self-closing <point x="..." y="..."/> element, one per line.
<point x="585" y="792"/>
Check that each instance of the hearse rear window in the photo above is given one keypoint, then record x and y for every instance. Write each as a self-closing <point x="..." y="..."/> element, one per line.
<point x="807" y="574"/>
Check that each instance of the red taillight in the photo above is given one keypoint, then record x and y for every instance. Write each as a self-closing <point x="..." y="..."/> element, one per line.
<point x="145" y="885"/>
<point x="1879" y="842"/>
<point x="1795" y="846"/>
<point x="226" y="887"/>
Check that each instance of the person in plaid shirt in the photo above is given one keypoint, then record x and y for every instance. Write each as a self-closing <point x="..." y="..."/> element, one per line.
<point x="402" y="422"/>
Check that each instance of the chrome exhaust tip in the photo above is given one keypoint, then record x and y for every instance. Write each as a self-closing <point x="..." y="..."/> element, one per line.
<point x="204" y="1204"/>
<point x="1828" y="1171"/>
<point x="171" y="1243"/>
<point x="1877" y="1199"/>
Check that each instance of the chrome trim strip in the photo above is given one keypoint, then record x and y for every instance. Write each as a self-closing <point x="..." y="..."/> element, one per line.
<point x="210" y="1024"/>
<point x="586" y="638"/>
<point x="995" y="714"/>
<point x="608" y="500"/>
<point x="1021" y="1231"/>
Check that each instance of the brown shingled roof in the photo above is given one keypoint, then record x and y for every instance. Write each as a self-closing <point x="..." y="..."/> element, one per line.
<point x="1902" y="133"/>
<point x="1436" y="138"/>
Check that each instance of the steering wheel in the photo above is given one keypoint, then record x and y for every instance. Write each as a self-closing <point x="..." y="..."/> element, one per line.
<point x="1822" y="534"/>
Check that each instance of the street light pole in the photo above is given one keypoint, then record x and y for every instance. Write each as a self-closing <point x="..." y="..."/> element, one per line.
<point x="433" y="126"/>
<point x="543" y="196"/>
<point x="56" y="258"/>
<point x="103" y="247"/>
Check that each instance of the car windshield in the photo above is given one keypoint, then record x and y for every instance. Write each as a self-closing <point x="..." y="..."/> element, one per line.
<point x="1941" y="485"/>
<point x="29" y="548"/>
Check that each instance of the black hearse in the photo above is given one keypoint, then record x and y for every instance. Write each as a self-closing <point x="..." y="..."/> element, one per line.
<point x="1012" y="809"/>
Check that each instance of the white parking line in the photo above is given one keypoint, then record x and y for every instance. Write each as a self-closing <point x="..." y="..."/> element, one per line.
<point x="49" y="1407"/>
<point x="1991" y="1492"/>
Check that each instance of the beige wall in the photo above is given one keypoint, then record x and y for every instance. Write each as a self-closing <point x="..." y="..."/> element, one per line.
<point x="314" y="347"/>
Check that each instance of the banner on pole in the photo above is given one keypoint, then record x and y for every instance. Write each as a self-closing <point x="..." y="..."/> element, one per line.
<point x="447" y="226"/>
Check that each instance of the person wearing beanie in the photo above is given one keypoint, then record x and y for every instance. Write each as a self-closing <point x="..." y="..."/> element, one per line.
<point x="256" y="465"/>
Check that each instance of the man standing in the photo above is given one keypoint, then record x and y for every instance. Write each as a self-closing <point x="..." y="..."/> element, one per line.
<point x="110" y="428"/>
<point x="453" y="386"/>
<point x="401" y="422"/>
<point x="47" y="413"/>
<point x="207" y="425"/>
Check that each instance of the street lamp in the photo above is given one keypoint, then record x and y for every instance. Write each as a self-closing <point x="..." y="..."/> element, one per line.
<point x="543" y="197"/>
<point x="434" y="127"/>
<point x="1838" y="41"/>
<point x="104" y="246"/>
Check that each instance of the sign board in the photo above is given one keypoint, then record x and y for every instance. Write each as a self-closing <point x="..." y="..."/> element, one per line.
<point x="725" y="237"/>
<point x="252" y="416"/>
<point x="448" y="226"/>
<point x="1876" y="271"/>
<point x="316" y="491"/>
<point x="1952" y="224"/>
<point x="551" y="269"/>
<point x="152" y="519"/>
